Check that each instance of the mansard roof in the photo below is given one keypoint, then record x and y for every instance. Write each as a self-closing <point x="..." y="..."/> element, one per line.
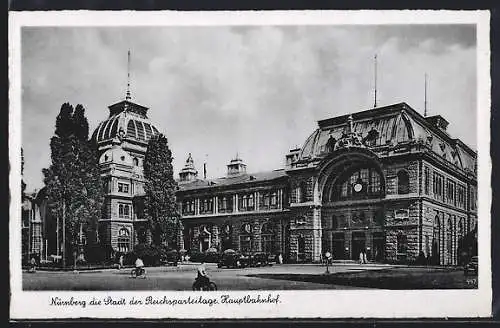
<point x="234" y="181"/>
<point x="394" y="124"/>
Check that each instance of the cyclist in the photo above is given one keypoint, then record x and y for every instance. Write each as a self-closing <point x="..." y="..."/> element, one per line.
<point x="202" y="277"/>
<point x="139" y="266"/>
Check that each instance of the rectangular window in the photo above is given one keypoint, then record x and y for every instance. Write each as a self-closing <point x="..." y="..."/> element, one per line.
<point x="206" y="205"/>
<point x="123" y="211"/>
<point x="438" y="185"/>
<point x="473" y="198"/>
<point x="123" y="187"/>
<point x="450" y="191"/>
<point x="461" y="196"/>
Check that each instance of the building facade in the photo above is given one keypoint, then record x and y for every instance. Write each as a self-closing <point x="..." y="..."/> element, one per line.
<point x="122" y="141"/>
<point x="386" y="181"/>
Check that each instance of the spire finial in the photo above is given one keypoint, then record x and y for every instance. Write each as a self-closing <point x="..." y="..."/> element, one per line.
<point x="127" y="97"/>
<point x="375" y="85"/>
<point x="425" y="95"/>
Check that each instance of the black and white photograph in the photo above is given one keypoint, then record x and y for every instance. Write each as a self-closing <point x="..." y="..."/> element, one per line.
<point x="263" y="160"/>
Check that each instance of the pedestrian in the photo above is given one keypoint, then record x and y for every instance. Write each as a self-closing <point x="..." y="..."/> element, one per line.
<point x="364" y="257"/>
<point x="32" y="264"/>
<point x="280" y="258"/>
<point x="361" y="257"/>
<point x="120" y="262"/>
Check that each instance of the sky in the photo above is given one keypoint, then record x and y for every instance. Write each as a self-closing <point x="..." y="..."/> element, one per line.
<point x="255" y="91"/>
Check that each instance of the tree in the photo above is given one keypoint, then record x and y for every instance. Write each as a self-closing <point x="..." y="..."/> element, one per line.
<point x="160" y="187"/>
<point x="73" y="181"/>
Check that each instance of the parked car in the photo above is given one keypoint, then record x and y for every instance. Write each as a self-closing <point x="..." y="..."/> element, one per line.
<point x="470" y="268"/>
<point x="232" y="259"/>
<point x="260" y="259"/>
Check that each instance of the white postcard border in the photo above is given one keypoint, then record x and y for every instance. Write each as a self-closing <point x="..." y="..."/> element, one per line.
<point x="293" y="304"/>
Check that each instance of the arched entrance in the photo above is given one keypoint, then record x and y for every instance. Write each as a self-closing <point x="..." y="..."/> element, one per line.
<point x="352" y="186"/>
<point x="204" y="239"/>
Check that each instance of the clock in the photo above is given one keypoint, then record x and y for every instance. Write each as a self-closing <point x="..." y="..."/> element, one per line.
<point x="358" y="187"/>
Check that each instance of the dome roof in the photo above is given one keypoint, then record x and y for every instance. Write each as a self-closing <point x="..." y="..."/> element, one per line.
<point x="128" y="120"/>
<point x="392" y="127"/>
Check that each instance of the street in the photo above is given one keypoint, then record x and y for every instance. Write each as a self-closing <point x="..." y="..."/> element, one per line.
<point x="181" y="278"/>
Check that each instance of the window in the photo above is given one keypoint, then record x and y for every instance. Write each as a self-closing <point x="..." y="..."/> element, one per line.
<point x="358" y="183"/>
<point x="246" y="238"/>
<point x="188" y="207"/>
<point x="450" y="191"/>
<point x="124" y="240"/>
<point x="426" y="180"/>
<point x="274" y="199"/>
<point x="268" y="238"/>
<point x="123" y="187"/>
<point x="136" y="161"/>
<point x="438" y="185"/>
<point x="473" y="198"/>
<point x="403" y="182"/>
<point x="206" y="205"/>
<point x="303" y="192"/>
<point x="124" y="211"/>
<point x="225" y="204"/>
<point x="461" y="196"/>
<point x="246" y="202"/>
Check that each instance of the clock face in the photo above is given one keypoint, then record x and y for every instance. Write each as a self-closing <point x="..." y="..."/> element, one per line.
<point x="358" y="187"/>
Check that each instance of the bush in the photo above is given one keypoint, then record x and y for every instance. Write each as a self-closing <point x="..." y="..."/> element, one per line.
<point x="151" y="255"/>
<point x="196" y="256"/>
<point x="172" y="256"/>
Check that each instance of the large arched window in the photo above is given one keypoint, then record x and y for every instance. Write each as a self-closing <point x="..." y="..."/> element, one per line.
<point x="268" y="238"/>
<point x="403" y="182"/>
<point x="123" y="240"/>
<point x="357" y="183"/>
<point x="246" y="238"/>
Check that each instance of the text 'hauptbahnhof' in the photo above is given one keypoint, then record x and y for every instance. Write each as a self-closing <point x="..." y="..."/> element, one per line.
<point x="387" y="181"/>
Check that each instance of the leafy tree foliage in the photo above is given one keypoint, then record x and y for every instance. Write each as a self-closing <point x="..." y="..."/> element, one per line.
<point x="160" y="188"/>
<point x="73" y="181"/>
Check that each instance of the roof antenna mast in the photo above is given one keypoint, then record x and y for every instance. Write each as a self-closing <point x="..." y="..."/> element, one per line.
<point x="127" y="97"/>
<point x="425" y="95"/>
<point x="375" y="86"/>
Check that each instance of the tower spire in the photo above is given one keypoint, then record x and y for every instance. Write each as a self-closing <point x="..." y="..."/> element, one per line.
<point x="127" y="97"/>
<point x="375" y="79"/>
<point x="425" y="95"/>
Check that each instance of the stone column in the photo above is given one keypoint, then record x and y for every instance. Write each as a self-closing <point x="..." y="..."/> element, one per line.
<point x="235" y="203"/>
<point x="215" y="205"/>
<point x="256" y="201"/>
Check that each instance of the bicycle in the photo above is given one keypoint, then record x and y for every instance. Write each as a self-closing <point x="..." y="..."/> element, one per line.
<point x="198" y="286"/>
<point x="135" y="274"/>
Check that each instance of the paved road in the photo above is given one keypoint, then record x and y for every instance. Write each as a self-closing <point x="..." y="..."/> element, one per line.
<point x="181" y="278"/>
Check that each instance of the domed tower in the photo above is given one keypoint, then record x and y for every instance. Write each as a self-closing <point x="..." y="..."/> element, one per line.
<point x="188" y="172"/>
<point x="122" y="141"/>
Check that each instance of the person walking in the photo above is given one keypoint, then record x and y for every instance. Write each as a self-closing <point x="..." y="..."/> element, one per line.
<point x="364" y="257"/>
<point x="120" y="262"/>
<point x="361" y="257"/>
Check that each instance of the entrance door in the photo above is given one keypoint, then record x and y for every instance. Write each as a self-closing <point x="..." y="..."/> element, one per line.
<point x="338" y="246"/>
<point x="378" y="246"/>
<point x="358" y="244"/>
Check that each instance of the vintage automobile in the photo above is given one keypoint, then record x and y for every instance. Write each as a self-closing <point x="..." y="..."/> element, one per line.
<point x="233" y="259"/>
<point x="470" y="268"/>
<point x="260" y="259"/>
